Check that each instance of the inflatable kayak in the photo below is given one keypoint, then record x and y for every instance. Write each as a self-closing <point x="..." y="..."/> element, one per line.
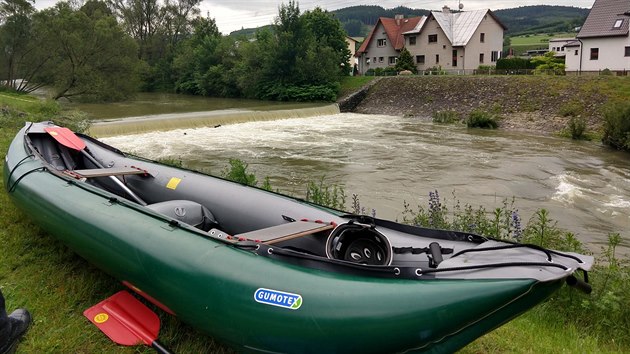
<point x="264" y="272"/>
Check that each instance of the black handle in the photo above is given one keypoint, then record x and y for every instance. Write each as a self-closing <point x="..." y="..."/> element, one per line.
<point x="579" y="284"/>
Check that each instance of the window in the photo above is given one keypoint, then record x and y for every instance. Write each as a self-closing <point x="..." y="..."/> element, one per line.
<point x="481" y="58"/>
<point x="367" y="61"/>
<point x="392" y="60"/>
<point x="374" y="60"/>
<point x="618" y="23"/>
<point x="381" y="42"/>
<point x="433" y="38"/>
<point x="594" y="53"/>
<point x="380" y="59"/>
<point x="412" y="40"/>
<point x="437" y="58"/>
<point x="482" y="37"/>
<point x="627" y="52"/>
<point x="420" y="59"/>
<point x="576" y="52"/>
<point x="494" y="56"/>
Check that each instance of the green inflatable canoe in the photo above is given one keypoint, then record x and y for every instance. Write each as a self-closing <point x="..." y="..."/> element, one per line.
<point x="263" y="272"/>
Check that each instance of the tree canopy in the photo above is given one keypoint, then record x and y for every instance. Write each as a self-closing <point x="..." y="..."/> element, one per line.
<point x="107" y="50"/>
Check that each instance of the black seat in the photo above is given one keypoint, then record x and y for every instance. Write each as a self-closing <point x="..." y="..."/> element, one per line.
<point x="187" y="211"/>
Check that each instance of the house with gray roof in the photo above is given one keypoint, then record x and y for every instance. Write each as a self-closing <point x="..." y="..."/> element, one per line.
<point x="603" y="41"/>
<point x="456" y="41"/>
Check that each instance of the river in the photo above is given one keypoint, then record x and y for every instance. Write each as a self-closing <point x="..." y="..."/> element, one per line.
<point x="387" y="160"/>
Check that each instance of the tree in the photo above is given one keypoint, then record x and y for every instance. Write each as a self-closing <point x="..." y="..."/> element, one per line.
<point x="405" y="62"/>
<point x="548" y="63"/>
<point x="86" y="54"/>
<point x="15" y="39"/>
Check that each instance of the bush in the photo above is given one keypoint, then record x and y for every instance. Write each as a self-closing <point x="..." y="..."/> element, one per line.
<point x="238" y="173"/>
<point x="448" y="116"/>
<point x="482" y="119"/>
<point x="514" y="64"/>
<point x="617" y="126"/>
<point x="577" y="128"/>
<point x="305" y="93"/>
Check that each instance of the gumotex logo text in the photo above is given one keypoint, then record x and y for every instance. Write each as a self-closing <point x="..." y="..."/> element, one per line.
<point x="278" y="298"/>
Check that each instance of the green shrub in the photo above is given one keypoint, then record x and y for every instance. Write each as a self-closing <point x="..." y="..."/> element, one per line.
<point x="332" y="196"/>
<point x="306" y="93"/>
<point x="617" y="126"/>
<point x="238" y="173"/>
<point x="577" y="128"/>
<point x="514" y="64"/>
<point x="448" y="116"/>
<point x="482" y="119"/>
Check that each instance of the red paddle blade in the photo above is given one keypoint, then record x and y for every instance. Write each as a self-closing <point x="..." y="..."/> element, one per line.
<point x="66" y="137"/>
<point x="125" y="320"/>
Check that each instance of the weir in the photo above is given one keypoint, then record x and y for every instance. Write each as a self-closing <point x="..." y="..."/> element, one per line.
<point x="171" y="121"/>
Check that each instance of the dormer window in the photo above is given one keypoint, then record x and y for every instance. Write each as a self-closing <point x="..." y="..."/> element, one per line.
<point x="618" y="23"/>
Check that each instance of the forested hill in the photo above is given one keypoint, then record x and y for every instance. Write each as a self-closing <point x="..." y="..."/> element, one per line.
<point x="358" y="20"/>
<point x="541" y="19"/>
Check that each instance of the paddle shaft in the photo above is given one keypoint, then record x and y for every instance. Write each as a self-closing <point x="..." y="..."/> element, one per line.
<point x="160" y="348"/>
<point x="116" y="180"/>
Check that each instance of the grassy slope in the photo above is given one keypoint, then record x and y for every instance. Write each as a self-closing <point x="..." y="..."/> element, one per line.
<point x="56" y="285"/>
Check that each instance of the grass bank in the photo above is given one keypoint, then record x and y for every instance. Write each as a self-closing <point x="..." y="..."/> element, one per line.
<point x="56" y="285"/>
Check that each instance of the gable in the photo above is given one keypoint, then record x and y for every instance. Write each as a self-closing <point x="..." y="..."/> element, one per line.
<point x="394" y="29"/>
<point x="459" y="27"/>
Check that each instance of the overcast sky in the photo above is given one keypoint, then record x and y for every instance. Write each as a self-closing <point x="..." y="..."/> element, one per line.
<point x="232" y="15"/>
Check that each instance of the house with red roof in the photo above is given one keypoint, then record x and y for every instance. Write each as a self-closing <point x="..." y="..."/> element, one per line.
<point x="382" y="46"/>
<point x="451" y="41"/>
<point x="603" y="41"/>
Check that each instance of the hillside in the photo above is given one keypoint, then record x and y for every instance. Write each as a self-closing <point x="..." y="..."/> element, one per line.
<point x="541" y="19"/>
<point x="358" y="20"/>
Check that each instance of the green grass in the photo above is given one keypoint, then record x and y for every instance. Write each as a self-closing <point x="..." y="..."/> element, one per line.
<point x="41" y="274"/>
<point x="522" y="44"/>
<point x="350" y="84"/>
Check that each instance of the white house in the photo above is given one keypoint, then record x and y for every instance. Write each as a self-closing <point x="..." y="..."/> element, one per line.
<point x="603" y="41"/>
<point x="456" y="41"/>
<point x="559" y="45"/>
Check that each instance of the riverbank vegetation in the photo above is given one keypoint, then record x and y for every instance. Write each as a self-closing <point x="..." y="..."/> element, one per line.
<point x="43" y="275"/>
<point x="107" y="51"/>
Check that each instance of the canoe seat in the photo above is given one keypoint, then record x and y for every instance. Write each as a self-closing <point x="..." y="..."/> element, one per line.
<point x="188" y="212"/>
<point x="285" y="232"/>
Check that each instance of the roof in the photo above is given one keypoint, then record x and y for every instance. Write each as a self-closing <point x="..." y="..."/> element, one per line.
<point x="602" y="18"/>
<point x="572" y="44"/>
<point x="394" y="29"/>
<point x="459" y="27"/>
<point x="562" y="39"/>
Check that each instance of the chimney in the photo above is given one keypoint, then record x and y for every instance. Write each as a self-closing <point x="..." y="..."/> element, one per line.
<point x="446" y="9"/>
<point x="398" y="19"/>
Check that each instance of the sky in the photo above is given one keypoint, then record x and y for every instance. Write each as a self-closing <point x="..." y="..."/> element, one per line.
<point x="233" y="15"/>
